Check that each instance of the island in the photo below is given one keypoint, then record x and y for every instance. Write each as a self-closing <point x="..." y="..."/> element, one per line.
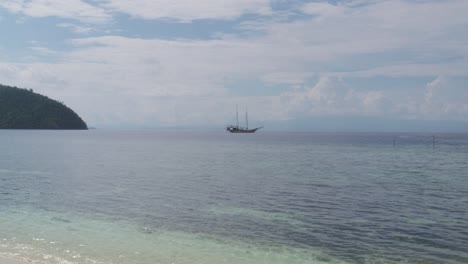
<point x="24" y="109"/>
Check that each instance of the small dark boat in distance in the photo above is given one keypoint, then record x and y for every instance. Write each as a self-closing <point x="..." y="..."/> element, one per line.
<point x="238" y="129"/>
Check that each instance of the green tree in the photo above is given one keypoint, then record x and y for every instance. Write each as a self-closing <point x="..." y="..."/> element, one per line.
<point x="24" y="109"/>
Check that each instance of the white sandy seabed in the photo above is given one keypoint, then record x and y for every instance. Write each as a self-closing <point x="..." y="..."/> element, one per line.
<point x="33" y="236"/>
<point x="10" y="261"/>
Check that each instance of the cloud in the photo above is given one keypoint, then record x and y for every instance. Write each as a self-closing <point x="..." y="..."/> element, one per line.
<point x="366" y="38"/>
<point x="76" y="28"/>
<point x="178" y="67"/>
<point x="70" y="9"/>
<point x="29" y="76"/>
<point x="103" y="10"/>
<point x="120" y="80"/>
<point x="43" y="50"/>
<point x="333" y="96"/>
<point x="408" y="69"/>
<point x="188" y="10"/>
<point x="445" y="97"/>
<point x="323" y="9"/>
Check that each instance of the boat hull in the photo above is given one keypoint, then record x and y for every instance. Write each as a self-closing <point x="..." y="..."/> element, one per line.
<point x="245" y="131"/>
<point x="242" y="131"/>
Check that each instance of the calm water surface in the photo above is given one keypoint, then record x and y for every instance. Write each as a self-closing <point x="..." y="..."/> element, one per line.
<point x="210" y="197"/>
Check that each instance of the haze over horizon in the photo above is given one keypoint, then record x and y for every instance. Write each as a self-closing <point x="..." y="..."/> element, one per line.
<point x="311" y="65"/>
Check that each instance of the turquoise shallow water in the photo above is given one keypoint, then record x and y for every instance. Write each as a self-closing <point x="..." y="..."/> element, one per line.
<point x="211" y="197"/>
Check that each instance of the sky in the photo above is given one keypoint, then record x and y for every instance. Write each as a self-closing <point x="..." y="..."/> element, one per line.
<point x="364" y="65"/>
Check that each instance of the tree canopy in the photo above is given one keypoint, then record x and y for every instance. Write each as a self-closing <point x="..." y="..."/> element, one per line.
<point x="24" y="109"/>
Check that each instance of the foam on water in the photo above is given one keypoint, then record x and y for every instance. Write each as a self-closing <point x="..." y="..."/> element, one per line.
<point x="49" y="237"/>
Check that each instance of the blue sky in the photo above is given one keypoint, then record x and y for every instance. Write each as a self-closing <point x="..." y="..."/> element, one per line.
<point x="166" y="63"/>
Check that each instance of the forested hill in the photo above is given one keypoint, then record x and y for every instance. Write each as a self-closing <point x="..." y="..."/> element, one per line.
<point x="24" y="109"/>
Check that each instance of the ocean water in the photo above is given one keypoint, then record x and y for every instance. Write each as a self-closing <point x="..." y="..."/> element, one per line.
<point x="211" y="197"/>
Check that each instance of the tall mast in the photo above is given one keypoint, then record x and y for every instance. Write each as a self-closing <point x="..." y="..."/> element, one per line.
<point x="237" y="115"/>
<point x="247" y="118"/>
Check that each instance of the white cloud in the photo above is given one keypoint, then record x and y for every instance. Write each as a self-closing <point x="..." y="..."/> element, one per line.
<point x="455" y="68"/>
<point x="43" y="50"/>
<point x="180" y="67"/>
<point x="323" y="9"/>
<point x="444" y="97"/>
<point x="76" y="28"/>
<point x="103" y="10"/>
<point x="187" y="10"/>
<point x="333" y="96"/>
<point x="70" y="9"/>
<point x="370" y="38"/>
<point x="182" y="81"/>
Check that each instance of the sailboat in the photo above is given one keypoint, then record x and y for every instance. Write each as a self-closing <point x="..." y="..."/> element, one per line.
<point x="237" y="128"/>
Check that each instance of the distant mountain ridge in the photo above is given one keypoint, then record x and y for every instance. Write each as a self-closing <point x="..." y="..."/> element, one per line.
<point x="24" y="109"/>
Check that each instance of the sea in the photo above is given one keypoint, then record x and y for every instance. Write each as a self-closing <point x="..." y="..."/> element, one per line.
<point x="193" y="197"/>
